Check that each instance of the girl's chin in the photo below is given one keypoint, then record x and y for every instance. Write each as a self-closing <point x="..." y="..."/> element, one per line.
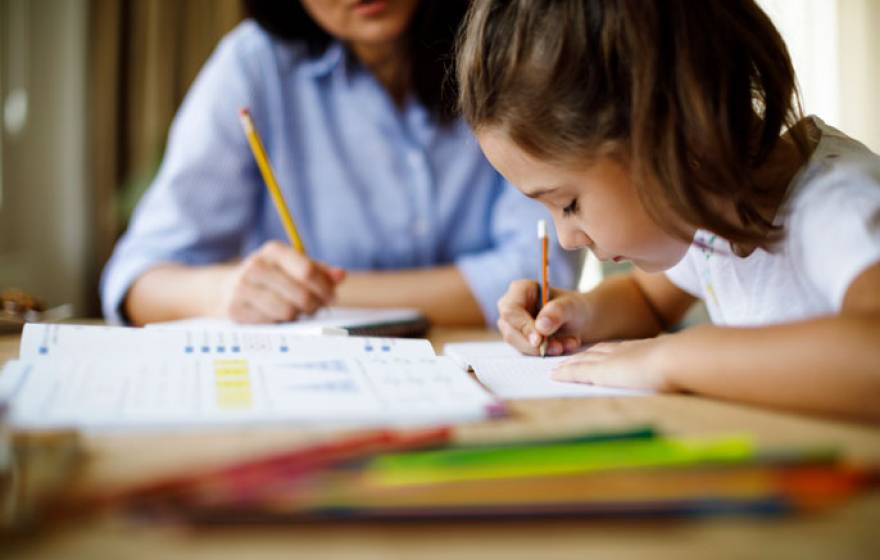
<point x="652" y="266"/>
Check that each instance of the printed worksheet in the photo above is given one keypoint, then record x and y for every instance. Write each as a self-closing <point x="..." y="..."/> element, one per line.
<point x="174" y="392"/>
<point x="85" y="341"/>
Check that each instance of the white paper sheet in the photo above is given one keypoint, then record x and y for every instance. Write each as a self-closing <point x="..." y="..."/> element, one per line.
<point x="511" y="375"/>
<point x="528" y="377"/>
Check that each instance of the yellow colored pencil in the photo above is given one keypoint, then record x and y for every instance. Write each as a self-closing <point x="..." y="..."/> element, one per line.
<point x="269" y="178"/>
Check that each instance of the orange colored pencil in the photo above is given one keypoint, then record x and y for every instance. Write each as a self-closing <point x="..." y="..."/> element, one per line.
<point x="545" y="283"/>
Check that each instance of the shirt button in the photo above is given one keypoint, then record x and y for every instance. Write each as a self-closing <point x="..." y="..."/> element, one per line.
<point x="414" y="158"/>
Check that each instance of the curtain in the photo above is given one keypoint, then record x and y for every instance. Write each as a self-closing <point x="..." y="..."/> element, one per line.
<point x="143" y="56"/>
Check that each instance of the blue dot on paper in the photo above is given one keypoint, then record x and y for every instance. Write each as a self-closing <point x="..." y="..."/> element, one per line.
<point x="205" y="349"/>
<point x="236" y="349"/>
<point x="188" y="349"/>
<point x="44" y="350"/>
<point x="284" y="348"/>
<point x="221" y="349"/>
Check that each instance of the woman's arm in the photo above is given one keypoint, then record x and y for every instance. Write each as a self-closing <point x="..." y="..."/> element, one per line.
<point x="275" y="285"/>
<point x="441" y="293"/>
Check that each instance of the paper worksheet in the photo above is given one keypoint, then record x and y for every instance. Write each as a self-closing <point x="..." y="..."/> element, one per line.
<point x="103" y="393"/>
<point x="48" y="341"/>
<point x="328" y="320"/>
<point x="96" y="377"/>
<point x="511" y="375"/>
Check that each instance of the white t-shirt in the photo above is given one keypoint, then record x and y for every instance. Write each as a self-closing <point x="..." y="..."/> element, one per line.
<point x="831" y="220"/>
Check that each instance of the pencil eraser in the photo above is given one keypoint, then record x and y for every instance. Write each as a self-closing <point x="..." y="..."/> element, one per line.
<point x="542" y="229"/>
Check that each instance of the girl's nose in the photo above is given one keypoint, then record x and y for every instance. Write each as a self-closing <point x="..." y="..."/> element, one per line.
<point x="571" y="238"/>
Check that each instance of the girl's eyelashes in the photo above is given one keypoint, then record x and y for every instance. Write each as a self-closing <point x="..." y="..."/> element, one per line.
<point x="572" y="208"/>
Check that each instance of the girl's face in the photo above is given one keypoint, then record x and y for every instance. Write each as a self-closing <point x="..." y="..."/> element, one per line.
<point x="594" y="206"/>
<point x="366" y="22"/>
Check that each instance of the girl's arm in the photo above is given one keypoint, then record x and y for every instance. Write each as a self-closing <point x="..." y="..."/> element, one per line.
<point x="831" y="364"/>
<point x="637" y="305"/>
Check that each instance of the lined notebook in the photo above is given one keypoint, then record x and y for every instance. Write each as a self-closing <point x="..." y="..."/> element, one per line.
<point x="120" y="378"/>
<point x="510" y="375"/>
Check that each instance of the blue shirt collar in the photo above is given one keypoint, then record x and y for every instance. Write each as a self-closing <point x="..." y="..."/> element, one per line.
<point x="327" y="62"/>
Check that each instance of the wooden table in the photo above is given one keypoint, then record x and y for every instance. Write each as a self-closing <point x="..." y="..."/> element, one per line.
<point x="849" y="531"/>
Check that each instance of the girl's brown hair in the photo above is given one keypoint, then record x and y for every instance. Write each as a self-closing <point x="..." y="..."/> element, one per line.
<point x="694" y="94"/>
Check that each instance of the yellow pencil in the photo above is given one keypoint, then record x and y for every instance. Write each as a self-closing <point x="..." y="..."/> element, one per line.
<point x="263" y="163"/>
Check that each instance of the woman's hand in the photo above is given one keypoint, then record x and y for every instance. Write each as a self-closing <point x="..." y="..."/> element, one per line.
<point x="632" y="364"/>
<point x="563" y="317"/>
<point x="276" y="283"/>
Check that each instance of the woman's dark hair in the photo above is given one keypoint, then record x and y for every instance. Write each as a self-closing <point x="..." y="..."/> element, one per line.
<point x="431" y="38"/>
<point x="692" y="94"/>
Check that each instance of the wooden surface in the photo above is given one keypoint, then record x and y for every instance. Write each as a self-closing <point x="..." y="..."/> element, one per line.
<point x="849" y="531"/>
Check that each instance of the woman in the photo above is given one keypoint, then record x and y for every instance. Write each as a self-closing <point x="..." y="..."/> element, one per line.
<point x="395" y="202"/>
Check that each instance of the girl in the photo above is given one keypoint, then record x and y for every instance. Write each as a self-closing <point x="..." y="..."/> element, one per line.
<point x="381" y="177"/>
<point x="667" y="133"/>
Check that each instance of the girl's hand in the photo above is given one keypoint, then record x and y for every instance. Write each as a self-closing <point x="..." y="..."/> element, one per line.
<point x="631" y="364"/>
<point x="564" y="317"/>
<point x="276" y="283"/>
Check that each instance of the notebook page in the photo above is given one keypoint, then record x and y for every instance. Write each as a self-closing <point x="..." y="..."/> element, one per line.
<point x="466" y="353"/>
<point x="52" y="340"/>
<point x="528" y="377"/>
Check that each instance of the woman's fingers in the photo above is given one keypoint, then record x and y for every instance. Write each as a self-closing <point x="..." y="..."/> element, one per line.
<point x="277" y="283"/>
<point x="311" y="275"/>
<point x="257" y="304"/>
<point x="268" y="277"/>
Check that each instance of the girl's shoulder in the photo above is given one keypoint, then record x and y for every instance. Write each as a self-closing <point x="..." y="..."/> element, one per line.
<point x="832" y="226"/>
<point x="841" y="170"/>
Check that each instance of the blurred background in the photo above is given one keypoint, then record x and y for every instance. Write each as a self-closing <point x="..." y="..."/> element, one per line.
<point x="88" y="89"/>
